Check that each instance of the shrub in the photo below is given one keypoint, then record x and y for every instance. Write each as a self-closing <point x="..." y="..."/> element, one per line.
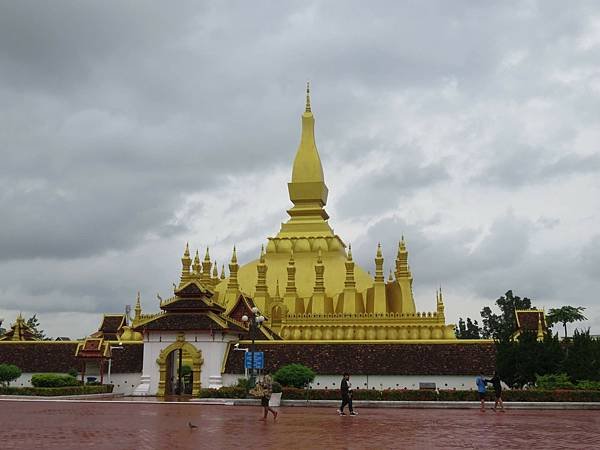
<point x="553" y="381"/>
<point x="73" y="372"/>
<point x="588" y="385"/>
<point x="224" y="392"/>
<point x="53" y="380"/>
<point x="186" y="370"/>
<point x="8" y="373"/>
<point x="276" y="387"/>
<point x="243" y="383"/>
<point x="516" y="395"/>
<point x="295" y="375"/>
<point x="55" y="391"/>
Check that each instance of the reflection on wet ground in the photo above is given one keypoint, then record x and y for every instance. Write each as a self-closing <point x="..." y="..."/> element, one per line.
<point x="143" y="425"/>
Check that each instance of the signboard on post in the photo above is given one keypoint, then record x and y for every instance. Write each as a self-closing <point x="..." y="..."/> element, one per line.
<point x="259" y="360"/>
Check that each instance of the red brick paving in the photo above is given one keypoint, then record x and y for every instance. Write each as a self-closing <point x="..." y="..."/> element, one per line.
<point x="140" y="426"/>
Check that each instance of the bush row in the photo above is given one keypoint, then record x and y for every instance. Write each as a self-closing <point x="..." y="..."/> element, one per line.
<point x="51" y="380"/>
<point x="417" y="395"/>
<point x="224" y="392"/>
<point x="54" y="391"/>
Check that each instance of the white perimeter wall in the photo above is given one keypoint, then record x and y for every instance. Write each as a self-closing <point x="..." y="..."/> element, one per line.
<point x="124" y="383"/>
<point x="458" y="382"/>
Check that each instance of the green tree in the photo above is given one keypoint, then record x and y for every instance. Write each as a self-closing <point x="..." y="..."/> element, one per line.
<point x="582" y="361"/>
<point x="295" y="375"/>
<point x="468" y="330"/>
<point x="501" y="326"/>
<point x="8" y="373"/>
<point x="565" y="315"/>
<point x="34" y="323"/>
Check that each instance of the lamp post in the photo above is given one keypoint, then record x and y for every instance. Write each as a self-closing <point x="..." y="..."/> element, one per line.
<point x="115" y="347"/>
<point x="254" y="322"/>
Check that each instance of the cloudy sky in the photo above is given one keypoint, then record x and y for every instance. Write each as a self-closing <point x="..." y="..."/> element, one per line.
<point x="129" y="128"/>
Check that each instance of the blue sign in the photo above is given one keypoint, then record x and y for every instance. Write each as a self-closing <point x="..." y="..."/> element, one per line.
<point x="259" y="360"/>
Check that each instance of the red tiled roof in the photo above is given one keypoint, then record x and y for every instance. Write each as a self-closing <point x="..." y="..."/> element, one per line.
<point x="528" y="320"/>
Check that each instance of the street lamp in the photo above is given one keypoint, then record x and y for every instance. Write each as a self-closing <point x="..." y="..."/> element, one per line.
<point x="115" y="347"/>
<point x="254" y="322"/>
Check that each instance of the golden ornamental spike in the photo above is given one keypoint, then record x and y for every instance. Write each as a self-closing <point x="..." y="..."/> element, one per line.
<point x="308" y="97"/>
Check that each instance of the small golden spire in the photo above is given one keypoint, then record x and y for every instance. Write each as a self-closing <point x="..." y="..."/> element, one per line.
<point x="234" y="256"/>
<point x="222" y="272"/>
<point x="196" y="265"/>
<point x="277" y="295"/>
<point x="308" y="97"/>
<point x="215" y="273"/>
<point x="207" y="256"/>
<point x="138" y="308"/>
<point x="186" y="253"/>
<point x="379" y="255"/>
<point x="262" y="254"/>
<point x="349" y="256"/>
<point x="391" y="277"/>
<point x="291" y="261"/>
<point x="319" y="257"/>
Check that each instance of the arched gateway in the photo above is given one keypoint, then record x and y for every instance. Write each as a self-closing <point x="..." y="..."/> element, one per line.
<point x="167" y="369"/>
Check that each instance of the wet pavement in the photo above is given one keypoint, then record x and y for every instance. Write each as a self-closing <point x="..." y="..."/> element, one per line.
<point x="140" y="425"/>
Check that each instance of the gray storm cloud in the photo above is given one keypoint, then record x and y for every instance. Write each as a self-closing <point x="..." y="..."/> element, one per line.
<point x="128" y="129"/>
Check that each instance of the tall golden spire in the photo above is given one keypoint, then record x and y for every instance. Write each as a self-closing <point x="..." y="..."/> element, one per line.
<point x="307" y="189"/>
<point x="215" y="273"/>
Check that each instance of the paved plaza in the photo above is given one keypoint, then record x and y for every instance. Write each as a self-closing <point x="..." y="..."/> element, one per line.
<point x="145" y="425"/>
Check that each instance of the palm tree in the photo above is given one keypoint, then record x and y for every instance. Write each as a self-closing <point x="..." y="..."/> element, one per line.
<point x="564" y="315"/>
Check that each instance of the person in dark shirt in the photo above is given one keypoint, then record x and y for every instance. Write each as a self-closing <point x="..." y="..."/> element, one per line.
<point x="346" y="391"/>
<point x="495" y="381"/>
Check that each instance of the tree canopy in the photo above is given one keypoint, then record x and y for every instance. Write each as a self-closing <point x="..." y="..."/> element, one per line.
<point x="564" y="315"/>
<point x="34" y="323"/>
<point x="501" y="326"/>
<point x="468" y="330"/>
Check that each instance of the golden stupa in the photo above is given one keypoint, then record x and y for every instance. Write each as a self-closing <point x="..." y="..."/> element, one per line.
<point x="305" y="280"/>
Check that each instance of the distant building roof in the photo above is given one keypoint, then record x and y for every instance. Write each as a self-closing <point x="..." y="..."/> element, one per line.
<point x="530" y="321"/>
<point x="111" y="327"/>
<point x="19" y="331"/>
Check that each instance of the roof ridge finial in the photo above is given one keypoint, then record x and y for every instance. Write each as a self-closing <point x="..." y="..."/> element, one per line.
<point x="308" y="97"/>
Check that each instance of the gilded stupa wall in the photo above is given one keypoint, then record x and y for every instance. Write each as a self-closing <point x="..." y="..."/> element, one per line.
<point x="306" y="281"/>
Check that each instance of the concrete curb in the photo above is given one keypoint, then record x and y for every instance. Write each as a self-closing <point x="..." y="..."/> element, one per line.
<point x="402" y="404"/>
<point x="334" y="404"/>
<point x="61" y="397"/>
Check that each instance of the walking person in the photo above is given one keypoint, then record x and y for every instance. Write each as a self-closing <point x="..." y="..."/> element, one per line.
<point x="267" y="385"/>
<point x="346" y="391"/>
<point x="495" y="381"/>
<point x="480" y="381"/>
